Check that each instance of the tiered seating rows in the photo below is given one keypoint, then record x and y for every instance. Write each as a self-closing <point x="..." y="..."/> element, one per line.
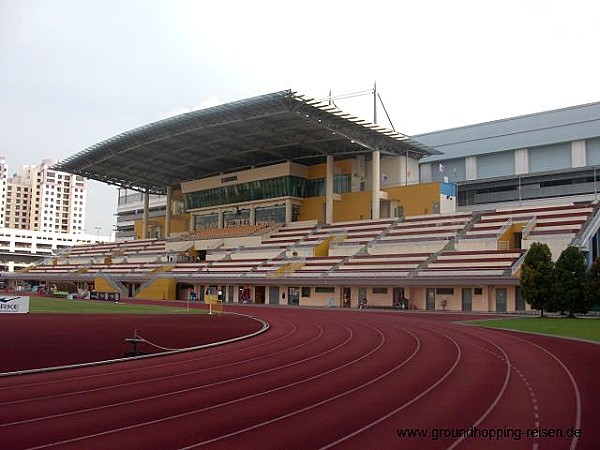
<point x="221" y="266"/>
<point x="438" y="227"/>
<point x="385" y="262"/>
<point x="476" y="263"/>
<point x="223" y="233"/>
<point x="287" y="237"/>
<point x="563" y="219"/>
<point x="354" y="233"/>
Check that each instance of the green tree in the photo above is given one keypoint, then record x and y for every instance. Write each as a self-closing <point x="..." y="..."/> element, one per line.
<point x="592" y="285"/>
<point x="570" y="272"/>
<point x="537" y="277"/>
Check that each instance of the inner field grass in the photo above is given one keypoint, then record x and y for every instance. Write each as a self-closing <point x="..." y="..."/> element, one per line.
<point x="588" y="328"/>
<point x="59" y="305"/>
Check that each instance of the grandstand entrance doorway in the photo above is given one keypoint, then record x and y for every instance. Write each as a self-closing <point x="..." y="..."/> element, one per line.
<point x="273" y="295"/>
<point x="259" y="294"/>
<point x="399" y="300"/>
<point x="362" y="294"/>
<point x="385" y="209"/>
<point x="430" y="299"/>
<point x="501" y="299"/>
<point x="244" y="295"/>
<point x="467" y="299"/>
<point x="346" y="299"/>
<point x="519" y="302"/>
<point x="132" y="289"/>
<point x="518" y="238"/>
<point x="293" y="295"/>
<point x="184" y="290"/>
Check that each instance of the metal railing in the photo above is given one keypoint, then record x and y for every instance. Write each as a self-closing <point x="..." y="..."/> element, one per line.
<point x="504" y="227"/>
<point x="528" y="227"/>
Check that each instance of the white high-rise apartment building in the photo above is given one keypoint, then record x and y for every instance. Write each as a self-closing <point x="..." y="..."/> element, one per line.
<point x="43" y="199"/>
<point x="17" y="206"/>
<point x="3" y="190"/>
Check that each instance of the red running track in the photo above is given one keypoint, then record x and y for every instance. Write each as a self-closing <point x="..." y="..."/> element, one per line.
<point x="322" y="379"/>
<point x="44" y="340"/>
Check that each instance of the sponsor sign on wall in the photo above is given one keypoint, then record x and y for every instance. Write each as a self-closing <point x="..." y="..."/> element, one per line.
<point x="14" y="305"/>
<point x="106" y="296"/>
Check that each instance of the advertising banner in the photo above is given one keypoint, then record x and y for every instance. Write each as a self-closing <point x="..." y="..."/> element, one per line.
<point x="14" y="305"/>
<point x="106" y="296"/>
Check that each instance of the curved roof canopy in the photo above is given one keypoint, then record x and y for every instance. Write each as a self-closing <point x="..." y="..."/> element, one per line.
<point x="259" y="131"/>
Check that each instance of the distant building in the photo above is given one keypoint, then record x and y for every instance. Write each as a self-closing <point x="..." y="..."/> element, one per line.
<point x="43" y="199"/>
<point x="3" y="188"/>
<point x="550" y="156"/>
<point x="42" y="211"/>
<point x="130" y="208"/>
<point x="19" y="249"/>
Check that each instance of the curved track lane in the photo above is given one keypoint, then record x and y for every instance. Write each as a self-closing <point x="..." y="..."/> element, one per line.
<point x="322" y="379"/>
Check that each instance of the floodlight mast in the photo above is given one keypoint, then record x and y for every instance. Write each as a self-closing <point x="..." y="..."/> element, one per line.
<point x="330" y="100"/>
<point x="375" y="103"/>
<point x="345" y="96"/>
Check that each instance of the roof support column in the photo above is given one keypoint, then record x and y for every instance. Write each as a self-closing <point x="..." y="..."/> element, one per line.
<point x="329" y="190"/>
<point x="168" y="212"/>
<point x="145" y="215"/>
<point x="375" y="183"/>
<point x="288" y="210"/>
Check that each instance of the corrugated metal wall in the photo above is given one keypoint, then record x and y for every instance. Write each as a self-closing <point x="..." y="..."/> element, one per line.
<point x="550" y="157"/>
<point x="496" y="165"/>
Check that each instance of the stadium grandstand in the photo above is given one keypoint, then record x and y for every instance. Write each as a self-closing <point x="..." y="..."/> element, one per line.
<point x="286" y="200"/>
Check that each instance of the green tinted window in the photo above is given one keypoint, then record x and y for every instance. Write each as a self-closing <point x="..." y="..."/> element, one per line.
<point x="287" y="186"/>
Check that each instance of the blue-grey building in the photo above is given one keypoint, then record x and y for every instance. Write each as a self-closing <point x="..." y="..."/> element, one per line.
<point x="541" y="156"/>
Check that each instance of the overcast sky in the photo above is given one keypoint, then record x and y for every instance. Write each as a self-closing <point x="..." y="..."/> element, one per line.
<point x="73" y="73"/>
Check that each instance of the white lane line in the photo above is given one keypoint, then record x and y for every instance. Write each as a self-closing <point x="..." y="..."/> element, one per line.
<point x="315" y="405"/>
<point x="573" y="383"/>
<point x="410" y="402"/>
<point x="71" y="377"/>
<point x="530" y="389"/>
<point x="208" y="408"/>
<point x="158" y="379"/>
<point x="187" y="390"/>
<point x="500" y="393"/>
<point x="264" y="328"/>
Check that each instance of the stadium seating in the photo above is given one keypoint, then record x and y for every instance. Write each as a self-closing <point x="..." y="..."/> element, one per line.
<point x="472" y="263"/>
<point x="424" y="249"/>
<point x="377" y="265"/>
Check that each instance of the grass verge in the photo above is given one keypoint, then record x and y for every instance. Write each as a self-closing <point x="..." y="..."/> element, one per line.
<point x="58" y="305"/>
<point x="583" y="328"/>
